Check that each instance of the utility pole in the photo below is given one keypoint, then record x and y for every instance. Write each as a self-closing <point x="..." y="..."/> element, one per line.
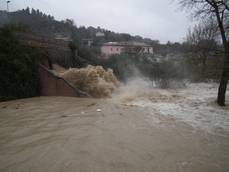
<point x="7" y="3"/>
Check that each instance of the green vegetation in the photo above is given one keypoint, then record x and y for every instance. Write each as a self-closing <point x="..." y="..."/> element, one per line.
<point x="18" y="67"/>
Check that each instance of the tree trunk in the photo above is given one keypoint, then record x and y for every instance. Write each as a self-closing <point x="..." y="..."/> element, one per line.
<point x="223" y="83"/>
<point x="225" y="74"/>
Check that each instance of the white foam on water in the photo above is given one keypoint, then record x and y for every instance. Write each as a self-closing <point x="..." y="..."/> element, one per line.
<point x="193" y="105"/>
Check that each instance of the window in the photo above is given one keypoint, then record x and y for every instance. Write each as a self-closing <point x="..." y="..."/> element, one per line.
<point x="111" y="49"/>
<point x="117" y="49"/>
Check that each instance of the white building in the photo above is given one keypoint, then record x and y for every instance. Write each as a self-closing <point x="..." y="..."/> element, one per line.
<point x="112" y="48"/>
<point x="99" y="34"/>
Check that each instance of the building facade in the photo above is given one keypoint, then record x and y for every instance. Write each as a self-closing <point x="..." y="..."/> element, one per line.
<point x="113" y="48"/>
<point x="99" y="34"/>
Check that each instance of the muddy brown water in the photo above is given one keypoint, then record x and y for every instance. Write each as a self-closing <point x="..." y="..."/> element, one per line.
<point x="56" y="134"/>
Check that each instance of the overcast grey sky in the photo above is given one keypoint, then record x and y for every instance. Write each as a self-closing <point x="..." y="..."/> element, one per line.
<point x="156" y="19"/>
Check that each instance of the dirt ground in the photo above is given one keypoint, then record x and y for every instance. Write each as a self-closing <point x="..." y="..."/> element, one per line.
<point x="56" y="134"/>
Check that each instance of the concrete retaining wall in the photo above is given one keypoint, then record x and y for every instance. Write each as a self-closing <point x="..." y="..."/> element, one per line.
<point x="52" y="85"/>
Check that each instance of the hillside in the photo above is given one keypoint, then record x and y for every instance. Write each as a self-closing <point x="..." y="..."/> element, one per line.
<point x="46" y="25"/>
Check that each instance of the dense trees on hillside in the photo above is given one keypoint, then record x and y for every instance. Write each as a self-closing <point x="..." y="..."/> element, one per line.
<point x="18" y="67"/>
<point x="46" y="25"/>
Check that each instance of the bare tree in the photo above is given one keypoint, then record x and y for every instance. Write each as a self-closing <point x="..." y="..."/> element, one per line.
<point x="219" y="10"/>
<point x="202" y="41"/>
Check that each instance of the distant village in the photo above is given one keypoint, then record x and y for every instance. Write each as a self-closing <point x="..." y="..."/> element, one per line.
<point x="114" y="48"/>
<point x="107" y="49"/>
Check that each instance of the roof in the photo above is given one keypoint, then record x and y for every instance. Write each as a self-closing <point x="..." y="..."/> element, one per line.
<point x="142" y="44"/>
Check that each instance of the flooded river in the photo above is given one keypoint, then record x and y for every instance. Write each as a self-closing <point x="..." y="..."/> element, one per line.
<point x="137" y="131"/>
